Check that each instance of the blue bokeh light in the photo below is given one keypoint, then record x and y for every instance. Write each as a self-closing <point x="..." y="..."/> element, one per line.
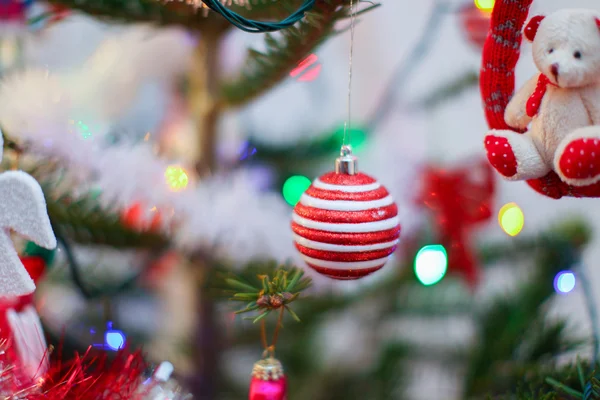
<point x="564" y="282"/>
<point x="114" y="339"/>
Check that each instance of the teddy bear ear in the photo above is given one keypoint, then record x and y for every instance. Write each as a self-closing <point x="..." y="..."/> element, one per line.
<point x="532" y="27"/>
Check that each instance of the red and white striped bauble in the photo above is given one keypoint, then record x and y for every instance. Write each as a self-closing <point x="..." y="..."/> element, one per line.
<point x="346" y="226"/>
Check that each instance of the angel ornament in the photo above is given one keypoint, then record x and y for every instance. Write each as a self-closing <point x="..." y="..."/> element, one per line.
<point x="22" y="210"/>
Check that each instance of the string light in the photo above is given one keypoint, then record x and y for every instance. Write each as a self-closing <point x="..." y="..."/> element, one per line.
<point x="485" y="5"/>
<point x="176" y="177"/>
<point x="249" y="25"/>
<point x="200" y="4"/>
<point x="113" y="338"/>
<point x="294" y="187"/>
<point x="564" y="282"/>
<point x="511" y="219"/>
<point x="308" y="69"/>
<point x="431" y="264"/>
<point x="247" y="151"/>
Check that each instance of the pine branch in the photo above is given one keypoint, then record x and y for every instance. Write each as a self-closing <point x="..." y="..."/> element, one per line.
<point x="263" y="70"/>
<point x="85" y="222"/>
<point x="177" y="12"/>
<point x="508" y="323"/>
<point x="152" y="11"/>
<point x="274" y="289"/>
<point x="570" y="382"/>
<point x="546" y="340"/>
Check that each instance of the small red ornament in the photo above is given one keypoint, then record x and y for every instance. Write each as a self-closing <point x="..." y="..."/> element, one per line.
<point x="138" y="218"/>
<point x="35" y="266"/>
<point x="13" y="10"/>
<point x="268" y="381"/>
<point x="346" y="224"/>
<point x="475" y="23"/>
<point x="59" y="12"/>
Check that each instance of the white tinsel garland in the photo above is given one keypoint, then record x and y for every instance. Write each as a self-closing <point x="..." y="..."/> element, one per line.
<point x="60" y="121"/>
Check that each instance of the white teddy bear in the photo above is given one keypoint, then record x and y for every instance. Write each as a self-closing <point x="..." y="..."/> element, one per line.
<point x="562" y="104"/>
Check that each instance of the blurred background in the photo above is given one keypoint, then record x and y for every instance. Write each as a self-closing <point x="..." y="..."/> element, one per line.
<point x="464" y="309"/>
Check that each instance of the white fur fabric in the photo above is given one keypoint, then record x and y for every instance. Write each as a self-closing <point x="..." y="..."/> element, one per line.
<point x="22" y="210"/>
<point x="567" y="50"/>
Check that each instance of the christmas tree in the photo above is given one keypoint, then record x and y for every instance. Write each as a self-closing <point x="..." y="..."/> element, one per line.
<point x="176" y="150"/>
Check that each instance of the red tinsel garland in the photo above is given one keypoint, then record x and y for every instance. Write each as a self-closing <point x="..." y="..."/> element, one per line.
<point x="95" y="376"/>
<point x="91" y="376"/>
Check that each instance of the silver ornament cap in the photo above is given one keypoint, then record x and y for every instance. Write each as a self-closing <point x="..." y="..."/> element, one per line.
<point x="268" y="369"/>
<point x="346" y="163"/>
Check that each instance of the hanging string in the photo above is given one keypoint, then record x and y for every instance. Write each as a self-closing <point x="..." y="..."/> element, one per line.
<point x="269" y="349"/>
<point x="252" y="26"/>
<point x="346" y="148"/>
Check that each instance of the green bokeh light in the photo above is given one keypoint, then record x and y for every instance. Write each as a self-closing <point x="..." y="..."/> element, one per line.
<point x="431" y="264"/>
<point x="356" y="136"/>
<point x="485" y="5"/>
<point x="176" y="177"/>
<point x="293" y="188"/>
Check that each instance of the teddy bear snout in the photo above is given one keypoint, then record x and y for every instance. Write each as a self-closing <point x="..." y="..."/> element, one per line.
<point x="554" y="69"/>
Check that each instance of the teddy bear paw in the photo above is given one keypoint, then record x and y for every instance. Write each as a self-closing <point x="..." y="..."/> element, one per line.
<point x="579" y="162"/>
<point x="500" y="155"/>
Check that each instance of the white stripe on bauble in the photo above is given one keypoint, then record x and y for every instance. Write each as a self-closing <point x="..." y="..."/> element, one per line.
<point x="345" y="205"/>
<point x="345" y="265"/>
<point x="343" y="278"/>
<point x="362" y="227"/>
<point x="348" y="189"/>
<point x="340" y="248"/>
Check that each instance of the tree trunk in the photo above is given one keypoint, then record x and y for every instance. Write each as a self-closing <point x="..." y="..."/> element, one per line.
<point x="205" y="108"/>
<point x="204" y="99"/>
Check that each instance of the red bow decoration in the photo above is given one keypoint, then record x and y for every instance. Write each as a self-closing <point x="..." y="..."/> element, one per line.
<point x="459" y="199"/>
<point x="535" y="101"/>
